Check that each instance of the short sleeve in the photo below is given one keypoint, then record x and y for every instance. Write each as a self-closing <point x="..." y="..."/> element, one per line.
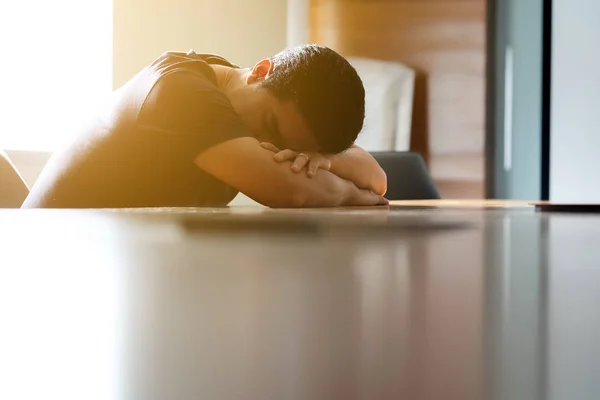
<point x="186" y="111"/>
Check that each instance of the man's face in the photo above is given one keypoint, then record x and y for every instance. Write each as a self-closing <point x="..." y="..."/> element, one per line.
<point x="273" y="120"/>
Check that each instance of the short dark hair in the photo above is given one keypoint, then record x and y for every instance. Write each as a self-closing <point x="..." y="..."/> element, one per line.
<point x="327" y="90"/>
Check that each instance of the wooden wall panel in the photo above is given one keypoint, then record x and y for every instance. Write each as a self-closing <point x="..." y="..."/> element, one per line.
<point x="444" y="41"/>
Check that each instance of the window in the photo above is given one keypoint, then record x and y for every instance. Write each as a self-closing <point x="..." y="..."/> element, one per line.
<point x="55" y="68"/>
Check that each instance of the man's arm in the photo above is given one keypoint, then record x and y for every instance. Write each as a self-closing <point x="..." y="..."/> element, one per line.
<point x="354" y="164"/>
<point x="245" y="165"/>
<point x="358" y="166"/>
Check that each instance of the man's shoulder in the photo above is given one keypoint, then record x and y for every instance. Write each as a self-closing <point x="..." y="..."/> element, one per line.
<point x="175" y="62"/>
<point x="185" y="87"/>
<point x="183" y="95"/>
<point x="195" y="62"/>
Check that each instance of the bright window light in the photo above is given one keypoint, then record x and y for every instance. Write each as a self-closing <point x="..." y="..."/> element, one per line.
<point x="56" y="67"/>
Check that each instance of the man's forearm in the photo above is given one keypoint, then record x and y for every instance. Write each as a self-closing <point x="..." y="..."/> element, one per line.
<point x="324" y="190"/>
<point x="251" y="170"/>
<point x="359" y="167"/>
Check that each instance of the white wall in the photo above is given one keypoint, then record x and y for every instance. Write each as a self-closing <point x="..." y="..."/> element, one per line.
<point x="575" y="135"/>
<point x="298" y="25"/>
<point x="243" y="31"/>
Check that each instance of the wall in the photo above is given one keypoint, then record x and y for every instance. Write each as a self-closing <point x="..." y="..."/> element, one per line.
<point x="29" y="163"/>
<point x="298" y="25"/>
<point x="445" y="42"/>
<point x="240" y="30"/>
<point x="575" y="117"/>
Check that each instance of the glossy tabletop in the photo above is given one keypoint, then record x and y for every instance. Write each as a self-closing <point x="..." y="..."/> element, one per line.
<point x="422" y="300"/>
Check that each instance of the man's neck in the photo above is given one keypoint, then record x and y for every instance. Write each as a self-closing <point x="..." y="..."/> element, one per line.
<point x="228" y="78"/>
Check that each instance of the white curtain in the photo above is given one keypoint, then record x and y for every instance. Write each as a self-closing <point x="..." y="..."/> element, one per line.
<point x="55" y="66"/>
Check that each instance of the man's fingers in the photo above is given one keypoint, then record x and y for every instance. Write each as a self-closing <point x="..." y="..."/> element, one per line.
<point x="270" y="147"/>
<point x="313" y="166"/>
<point x="317" y="163"/>
<point x="285" y="155"/>
<point x="300" y="162"/>
<point x="369" y="198"/>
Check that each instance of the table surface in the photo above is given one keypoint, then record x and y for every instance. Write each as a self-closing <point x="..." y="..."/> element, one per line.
<point x="422" y="300"/>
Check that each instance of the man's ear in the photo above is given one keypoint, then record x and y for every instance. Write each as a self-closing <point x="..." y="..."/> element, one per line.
<point x="261" y="71"/>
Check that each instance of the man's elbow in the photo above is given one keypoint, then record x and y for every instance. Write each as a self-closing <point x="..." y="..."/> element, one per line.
<point x="379" y="182"/>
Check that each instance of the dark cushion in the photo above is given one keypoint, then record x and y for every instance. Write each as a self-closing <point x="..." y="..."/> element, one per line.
<point x="408" y="177"/>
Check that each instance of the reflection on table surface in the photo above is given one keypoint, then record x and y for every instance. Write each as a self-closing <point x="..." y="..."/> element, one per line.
<point x="414" y="302"/>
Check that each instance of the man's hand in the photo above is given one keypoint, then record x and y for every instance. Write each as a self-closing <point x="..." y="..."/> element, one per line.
<point x="309" y="160"/>
<point x="354" y="164"/>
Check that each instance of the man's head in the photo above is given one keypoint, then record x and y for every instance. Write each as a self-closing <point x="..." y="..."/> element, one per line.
<point x="305" y="98"/>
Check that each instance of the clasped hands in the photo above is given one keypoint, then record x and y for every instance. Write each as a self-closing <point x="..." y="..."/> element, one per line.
<point x="311" y="161"/>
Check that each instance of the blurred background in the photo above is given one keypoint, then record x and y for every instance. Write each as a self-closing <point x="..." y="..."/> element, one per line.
<point x="496" y="95"/>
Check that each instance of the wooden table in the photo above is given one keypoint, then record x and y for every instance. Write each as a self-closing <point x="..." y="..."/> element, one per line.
<point x="467" y="203"/>
<point x="418" y="301"/>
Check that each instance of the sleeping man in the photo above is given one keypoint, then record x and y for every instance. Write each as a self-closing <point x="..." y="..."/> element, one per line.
<point x="193" y="129"/>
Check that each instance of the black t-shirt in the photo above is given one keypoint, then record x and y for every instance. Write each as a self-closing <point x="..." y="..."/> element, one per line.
<point x="139" y="152"/>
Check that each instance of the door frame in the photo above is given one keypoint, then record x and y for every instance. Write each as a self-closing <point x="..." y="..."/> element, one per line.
<point x="491" y="98"/>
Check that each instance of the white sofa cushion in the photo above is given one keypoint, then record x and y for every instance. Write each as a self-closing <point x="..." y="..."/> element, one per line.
<point x="389" y="88"/>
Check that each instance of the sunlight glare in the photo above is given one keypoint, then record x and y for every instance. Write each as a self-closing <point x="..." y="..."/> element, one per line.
<point x="56" y="66"/>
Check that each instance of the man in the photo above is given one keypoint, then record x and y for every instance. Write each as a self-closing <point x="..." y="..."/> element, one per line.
<point x="193" y="130"/>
